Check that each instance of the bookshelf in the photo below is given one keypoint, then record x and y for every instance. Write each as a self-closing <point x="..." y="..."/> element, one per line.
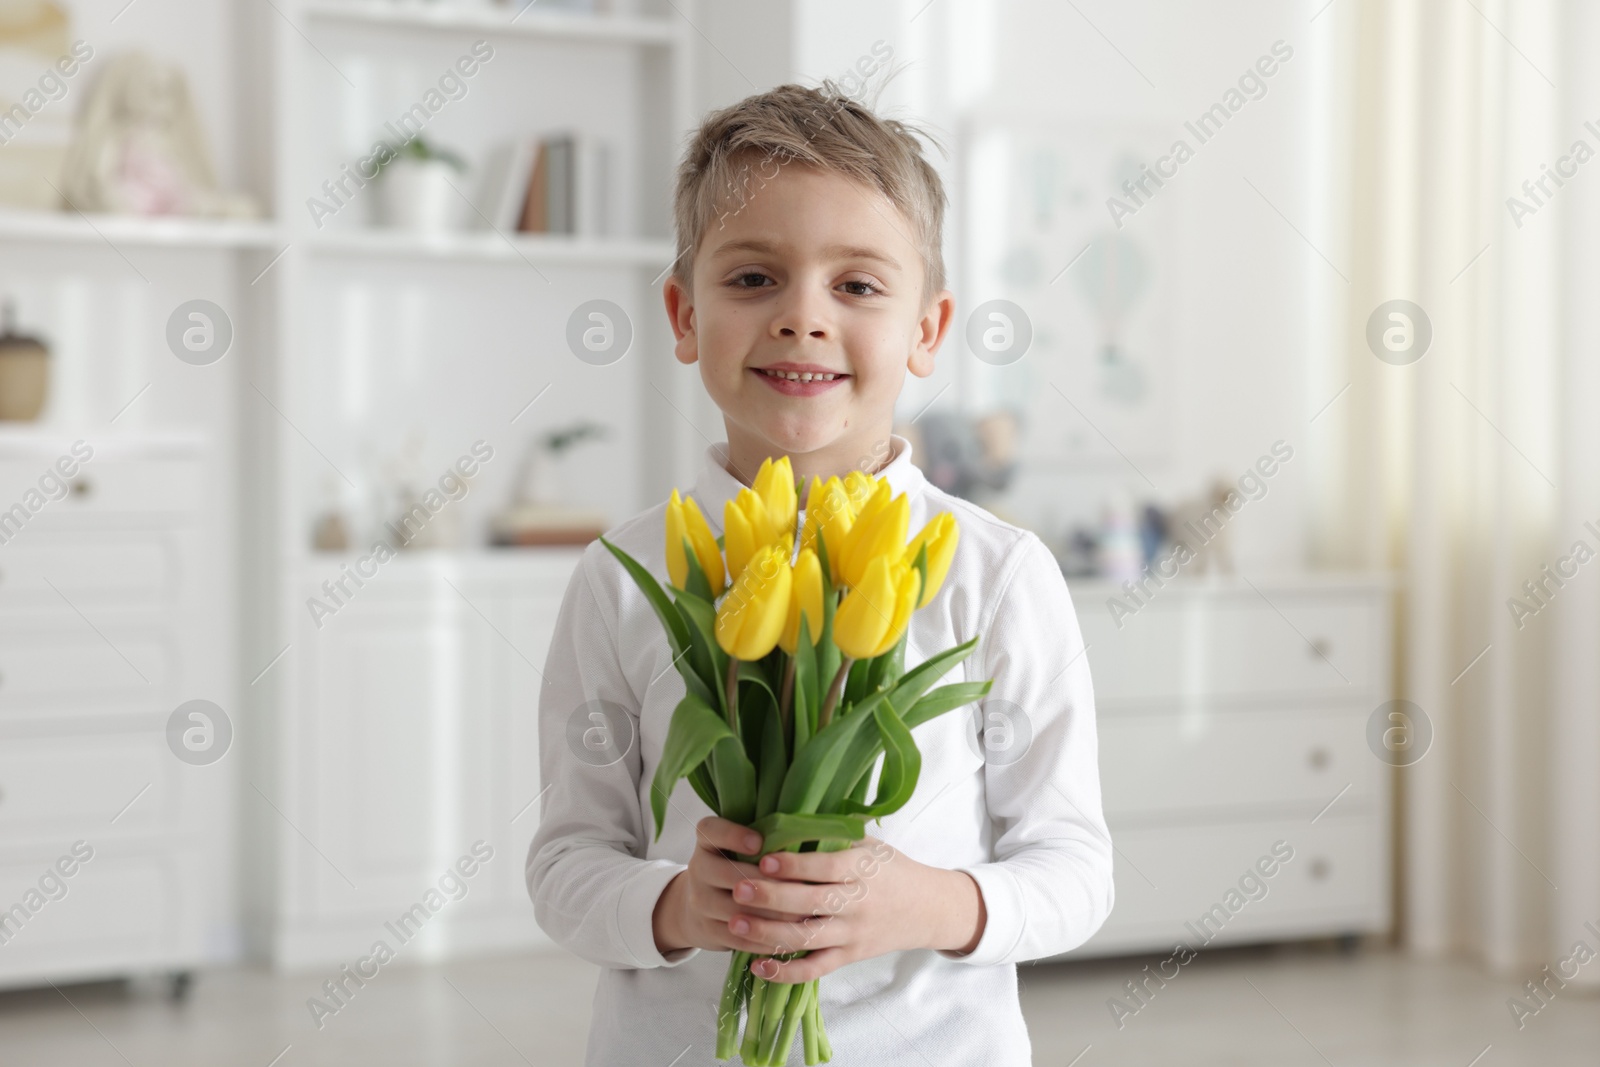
<point x="401" y="728"/>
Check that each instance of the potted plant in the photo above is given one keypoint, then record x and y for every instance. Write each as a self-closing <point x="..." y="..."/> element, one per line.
<point x="415" y="191"/>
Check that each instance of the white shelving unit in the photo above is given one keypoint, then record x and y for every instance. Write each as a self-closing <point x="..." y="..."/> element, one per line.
<point x="395" y="732"/>
<point x="73" y="228"/>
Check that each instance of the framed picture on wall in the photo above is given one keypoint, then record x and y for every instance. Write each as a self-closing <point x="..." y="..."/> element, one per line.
<point x="1067" y="241"/>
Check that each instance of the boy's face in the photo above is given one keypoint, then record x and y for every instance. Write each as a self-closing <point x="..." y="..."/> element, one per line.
<point x="814" y="272"/>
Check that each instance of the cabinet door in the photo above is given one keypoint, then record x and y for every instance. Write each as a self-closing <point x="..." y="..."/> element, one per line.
<point x="395" y="740"/>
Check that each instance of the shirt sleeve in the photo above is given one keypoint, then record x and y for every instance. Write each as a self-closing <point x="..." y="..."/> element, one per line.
<point x="1048" y="888"/>
<point x="593" y="892"/>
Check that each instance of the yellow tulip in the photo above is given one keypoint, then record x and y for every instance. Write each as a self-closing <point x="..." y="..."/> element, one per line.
<point x="940" y="535"/>
<point x="859" y="487"/>
<point x="829" y="514"/>
<point x="805" y="596"/>
<point x="751" y="619"/>
<point x="747" y="527"/>
<point x="874" y="613"/>
<point x="880" y="530"/>
<point x="774" y="484"/>
<point x="684" y="520"/>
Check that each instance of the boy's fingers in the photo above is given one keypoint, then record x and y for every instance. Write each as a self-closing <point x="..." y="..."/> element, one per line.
<point x="814" y="965"/>
<point x="719" y="833"/>
<point x="811" y="866"/>
<point x="724" y="873"/>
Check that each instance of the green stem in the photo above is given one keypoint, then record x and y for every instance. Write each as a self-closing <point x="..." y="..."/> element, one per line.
<point x="799" y="1004"/>
<point x="752" y="1022"/>
<point x="734" y="988"/>
<point x="773" y="1012"/>
<point x="785" y="692"/>
<point x="733" y="695"/>
<point x="824" y="1047"/>
<point x="833" y="692"/>
<point x="808" y="1028"/>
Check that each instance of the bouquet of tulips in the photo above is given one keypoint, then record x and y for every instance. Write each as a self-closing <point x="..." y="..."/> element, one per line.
<point x="795" y="678"/>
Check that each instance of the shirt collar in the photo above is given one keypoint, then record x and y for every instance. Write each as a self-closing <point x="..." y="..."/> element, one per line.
<point x="715" y="486"/>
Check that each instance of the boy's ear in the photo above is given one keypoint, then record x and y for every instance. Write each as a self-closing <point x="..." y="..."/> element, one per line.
<point x="680" y="313"/>
<point x="931" y="331"/>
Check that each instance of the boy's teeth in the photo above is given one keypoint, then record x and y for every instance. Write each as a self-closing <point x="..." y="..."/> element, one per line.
<point x="801" y="376"/>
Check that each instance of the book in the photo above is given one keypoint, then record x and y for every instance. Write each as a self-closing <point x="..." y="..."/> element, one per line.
<point x="505" y="183"/>
<point x="569" y="187"/>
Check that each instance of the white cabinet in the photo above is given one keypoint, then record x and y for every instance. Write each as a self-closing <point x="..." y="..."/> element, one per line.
<point x="1232" y="717"/>
<point x="412" y="735"/>
<point x="112" y="856"/>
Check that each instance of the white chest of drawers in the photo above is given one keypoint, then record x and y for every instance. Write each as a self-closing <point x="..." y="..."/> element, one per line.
<point x="104" y="631"/>
<point x="1232" y="716"/>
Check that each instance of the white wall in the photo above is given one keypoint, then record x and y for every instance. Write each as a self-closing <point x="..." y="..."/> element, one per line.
<point x="1240" y="277"/>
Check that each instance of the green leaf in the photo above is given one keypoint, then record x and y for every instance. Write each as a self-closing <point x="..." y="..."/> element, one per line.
<point x="855" y="684"/>
<point x="806" y="700"/>
<point x="699" y="583"/>
<point x="694" y="731"/>
<point x="918" y="680"/>
<point x="735" y="776"/>
<point x="782" y="830"/>
<point x="887" y="668"/>
<point x="706" y="657"/>
<point x="677" y="632"/>
<point x="945" y="698"/>
<point x="902" y="765"/>
<point x="756" y="673"/>
<point x="774" y="762"/>
<point x="815" y="765"/>
<point x="700" y="779"/>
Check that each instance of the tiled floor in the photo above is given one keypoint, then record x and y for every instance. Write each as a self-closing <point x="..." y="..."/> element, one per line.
<point x="1278" y="1006"/>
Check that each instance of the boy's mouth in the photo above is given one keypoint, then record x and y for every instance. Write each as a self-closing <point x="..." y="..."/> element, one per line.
<point x="799" y="379"/>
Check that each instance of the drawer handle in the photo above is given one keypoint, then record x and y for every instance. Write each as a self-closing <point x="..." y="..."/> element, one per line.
<point x="81" y="487"/>
<point x="1319" y="758"/>
<point x="1320" y="869"/>
<point x="1320" y="647"/>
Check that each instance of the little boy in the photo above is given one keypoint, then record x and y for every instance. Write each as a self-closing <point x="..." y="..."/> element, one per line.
<point x="810" y="279"/>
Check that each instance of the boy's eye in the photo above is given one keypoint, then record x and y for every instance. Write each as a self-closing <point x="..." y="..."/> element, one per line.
<point x="867" y="288"/>
<point x="739" y="280"/>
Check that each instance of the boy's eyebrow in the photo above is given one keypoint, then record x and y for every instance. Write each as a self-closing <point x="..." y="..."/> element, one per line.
<point x="755" y="244"/>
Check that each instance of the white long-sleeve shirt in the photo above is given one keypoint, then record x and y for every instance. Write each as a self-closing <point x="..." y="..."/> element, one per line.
<point x="1025" y="822"/>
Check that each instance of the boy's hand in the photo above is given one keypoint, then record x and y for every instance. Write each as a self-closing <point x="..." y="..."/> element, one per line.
<point x="860" y="902"/>
<point x="694" y="909"/>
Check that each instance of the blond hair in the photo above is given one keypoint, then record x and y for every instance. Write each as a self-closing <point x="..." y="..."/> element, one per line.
<point x="825" y="128"/>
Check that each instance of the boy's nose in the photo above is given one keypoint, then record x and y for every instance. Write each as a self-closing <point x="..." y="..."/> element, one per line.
<point x="802" y="314"/>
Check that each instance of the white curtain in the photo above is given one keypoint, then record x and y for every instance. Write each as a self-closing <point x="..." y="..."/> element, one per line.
<point x="1470" y="470"/>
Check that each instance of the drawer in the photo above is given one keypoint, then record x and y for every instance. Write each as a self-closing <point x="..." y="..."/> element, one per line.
<point x="64" y="786"/>
<point x="1224" y="646"/>
<point x="104" y="485"/>
<point x="88" y="568"/>
<point x="1169" y="878"/>
<point x="1199" y="763"/>
<point x="120" y="911"/>
<point x="67" y="664"/>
